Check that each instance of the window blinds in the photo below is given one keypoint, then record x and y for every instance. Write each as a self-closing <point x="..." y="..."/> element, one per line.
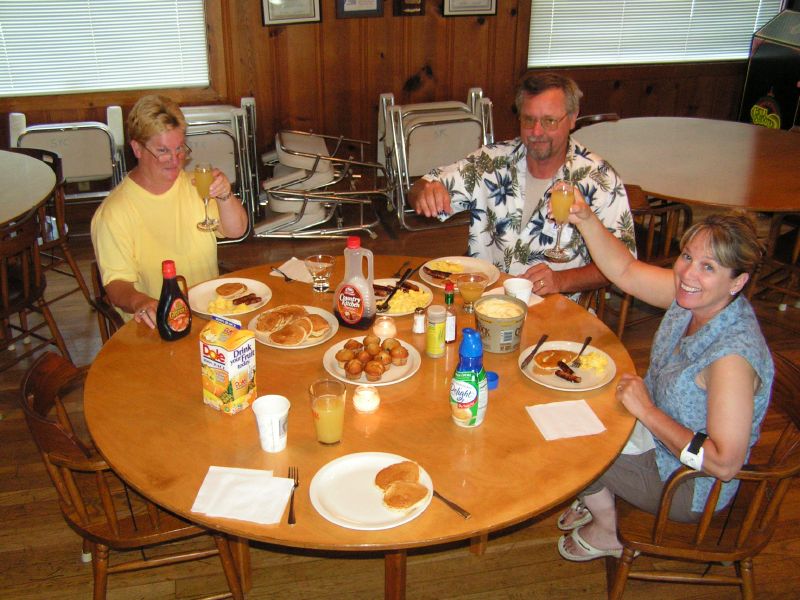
<point x="592" y="32"/>
<point x="63" y="46"/>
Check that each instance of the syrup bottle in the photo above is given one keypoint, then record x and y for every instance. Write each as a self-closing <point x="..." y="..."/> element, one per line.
<point x="174" y="316"/>
<point x="354" y="300"/>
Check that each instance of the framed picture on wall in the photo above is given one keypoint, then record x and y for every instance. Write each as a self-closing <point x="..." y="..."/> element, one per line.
<point x="464" y="8"/>
<point x="286" y="12"/>
<point x="359" y="8"/>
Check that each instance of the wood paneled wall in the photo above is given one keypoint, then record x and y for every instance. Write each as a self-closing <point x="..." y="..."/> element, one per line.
<point x="327" y="76"/>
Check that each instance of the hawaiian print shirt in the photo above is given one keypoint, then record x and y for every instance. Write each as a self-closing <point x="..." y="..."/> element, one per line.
<point x="490" y="184"/>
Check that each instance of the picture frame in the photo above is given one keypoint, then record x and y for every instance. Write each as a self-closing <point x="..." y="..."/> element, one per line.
<point x="347" y="9"/>
<point x="466" y="8"/>
<point x="289" y="12"/>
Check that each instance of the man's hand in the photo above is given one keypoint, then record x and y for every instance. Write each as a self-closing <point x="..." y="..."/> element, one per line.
<point x="545" y="280"/>
<point x="429" y="198"/>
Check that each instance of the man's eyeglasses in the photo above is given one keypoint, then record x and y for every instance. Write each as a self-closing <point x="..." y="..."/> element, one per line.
<point x="165" y="154"/>
<point x="548" y="123"/>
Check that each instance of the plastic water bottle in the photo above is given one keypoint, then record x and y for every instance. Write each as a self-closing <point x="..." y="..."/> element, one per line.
<point x="469" y="391"/>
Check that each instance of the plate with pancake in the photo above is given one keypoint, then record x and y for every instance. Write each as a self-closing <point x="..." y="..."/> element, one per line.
<point x="433" y="272"/>
<point x="218" y="296"/>
<point x="596" y="370"/>
<point x="345" y="492"/>
<point x="389" y="374"/>
<point x="406" y="300"/>
<point x="293" y="326"/>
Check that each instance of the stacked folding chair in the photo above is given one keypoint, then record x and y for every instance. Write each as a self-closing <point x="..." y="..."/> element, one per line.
<point x="415" y="138"/>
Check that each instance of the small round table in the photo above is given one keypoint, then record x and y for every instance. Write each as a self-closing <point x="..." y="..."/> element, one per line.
<point x="24" y="183"/>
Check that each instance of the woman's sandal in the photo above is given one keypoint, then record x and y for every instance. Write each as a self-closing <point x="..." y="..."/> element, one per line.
<point x="591" y="552"/>
<point x="577" y="507"/>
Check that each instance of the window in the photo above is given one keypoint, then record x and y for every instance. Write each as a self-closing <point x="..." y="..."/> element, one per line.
<point x="63" y="46"/>
<point x="588" y="32"/>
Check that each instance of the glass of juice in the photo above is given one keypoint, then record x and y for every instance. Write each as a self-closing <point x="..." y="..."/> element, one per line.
<point x="562" y="196"/>
<point x="320" y="266"/>
<point x="203" y="176"/>
<point x="327" y="407"/>
<point x="471" y="286"/>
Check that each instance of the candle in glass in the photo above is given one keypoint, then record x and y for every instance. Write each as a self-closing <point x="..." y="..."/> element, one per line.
<point x="384" y="327"/>
<point x="366" y="399"/>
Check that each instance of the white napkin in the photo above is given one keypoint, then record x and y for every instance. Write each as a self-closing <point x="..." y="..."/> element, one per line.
<point x="294" y="268"/>
<point x="244" y="494"/>
<point x="571" y="418"/>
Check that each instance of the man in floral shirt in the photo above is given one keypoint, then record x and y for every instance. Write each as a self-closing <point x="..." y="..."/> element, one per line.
<point x="506" y="189"/>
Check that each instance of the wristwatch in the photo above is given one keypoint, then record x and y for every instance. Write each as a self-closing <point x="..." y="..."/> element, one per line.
<point x="692" y="454"/>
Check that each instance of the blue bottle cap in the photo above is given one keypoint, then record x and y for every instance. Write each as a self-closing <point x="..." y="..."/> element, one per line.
<point x="471" y="345"/>
<point x="492" y="379"/>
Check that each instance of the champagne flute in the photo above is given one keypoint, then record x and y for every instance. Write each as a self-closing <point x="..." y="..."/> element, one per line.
<point x="471" y="286"/>
<point x="203" y="176"/>
<point x="561" y="198"/>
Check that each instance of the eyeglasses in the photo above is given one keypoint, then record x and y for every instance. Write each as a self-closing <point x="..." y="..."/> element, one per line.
<point x="547" y="123"/>
<point x="165" y="154"/>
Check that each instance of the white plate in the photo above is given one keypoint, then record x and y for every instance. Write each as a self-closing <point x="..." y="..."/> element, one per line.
<point x="203" y="293"/>
<point x="471" y="265"/>
<point x="590" y="379"/>
<point x="500" y="291"/>
<point x="393" y="281"/>
<point x="344" y="492"/>
<point x="264" y="337"/>
<point x="395" y="374"/>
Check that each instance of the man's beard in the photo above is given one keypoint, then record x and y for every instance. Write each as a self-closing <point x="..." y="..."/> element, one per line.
<point x="537" y="151"/>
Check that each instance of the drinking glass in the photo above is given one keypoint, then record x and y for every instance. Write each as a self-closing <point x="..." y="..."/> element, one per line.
<point x="471" y="286"/>
<point x="327" y="407"/>
<point x="561" y="198"/>
<point x="203" y="176"/>
<point x="320" y="266"/>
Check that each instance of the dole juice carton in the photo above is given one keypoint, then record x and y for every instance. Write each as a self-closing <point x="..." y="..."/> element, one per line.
<point x="228" y="363"/>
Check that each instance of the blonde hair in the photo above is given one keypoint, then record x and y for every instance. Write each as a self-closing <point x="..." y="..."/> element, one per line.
<point x="732" y="239"/>
<point x="152" y="115"/>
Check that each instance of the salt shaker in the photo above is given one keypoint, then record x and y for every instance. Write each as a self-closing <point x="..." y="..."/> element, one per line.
<point x="419" y="321"/>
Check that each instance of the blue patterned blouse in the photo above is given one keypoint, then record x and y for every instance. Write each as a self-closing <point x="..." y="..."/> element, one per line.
<point x="676" y="360"/>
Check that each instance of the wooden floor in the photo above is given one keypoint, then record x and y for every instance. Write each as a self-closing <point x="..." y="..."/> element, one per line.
<point x="40" y="555"/>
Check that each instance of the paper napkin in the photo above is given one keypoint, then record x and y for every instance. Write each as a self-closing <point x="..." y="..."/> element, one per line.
<point x="244" y="494"/>
<point x="294" y="268"/>
<point x="571" y="418"/>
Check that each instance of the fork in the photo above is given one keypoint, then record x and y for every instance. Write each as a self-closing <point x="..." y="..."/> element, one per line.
<point x="286" y="278"/>
<point x="576" y="362"/>
<point x="294" y="474"/>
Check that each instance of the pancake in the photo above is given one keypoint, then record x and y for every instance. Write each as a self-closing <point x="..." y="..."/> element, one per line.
<point x="404" y="495"/>
<point x="292" y="311"/>
<point x="305" y="323"/>
<point x="270" y="321"/>
<point x="403" y="471"/>
<point x="231" y="290"/>
<point x="289" y="335"/>
<point x="319" y="325"/>
<point x="548" y="359"/>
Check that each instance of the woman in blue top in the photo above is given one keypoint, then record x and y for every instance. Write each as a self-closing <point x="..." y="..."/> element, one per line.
<point x="707" y="386"/>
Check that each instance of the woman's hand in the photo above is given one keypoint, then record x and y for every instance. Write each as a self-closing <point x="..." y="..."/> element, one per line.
<point x="633" y="394"/>
<point x="579" y="211"/>
<point x="145" y="312"/>
<point x="220" y="187"/>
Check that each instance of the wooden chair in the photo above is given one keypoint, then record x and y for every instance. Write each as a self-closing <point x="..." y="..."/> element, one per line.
<point x="778" y="276"/>
<point x="659" y="225"/>
<point x="733" y="535"/>
<point x="108" y="319"/>
<point x="22" y="286"/>
<point x="54" y="235"/>
<point x="93" y="500"/>
<point x="585" y="120"/>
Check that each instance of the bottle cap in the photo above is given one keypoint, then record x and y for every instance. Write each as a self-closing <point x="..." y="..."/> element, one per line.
<point x="436" y="311"/>
<point x="492" y="379"/>
<point x="353" y="242"/>
<point x="168" y="268"/>
<point x="471" y="346"/>
<point x="449" y="286"/>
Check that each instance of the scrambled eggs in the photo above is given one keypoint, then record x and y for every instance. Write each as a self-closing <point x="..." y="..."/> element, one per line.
<point x="221" y="306"/>
<point x="446" y="265"/>
<point x="406" y="302"/>
<point x="594" y="361"/>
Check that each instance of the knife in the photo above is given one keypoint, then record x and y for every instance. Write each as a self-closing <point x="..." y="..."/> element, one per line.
<point x="530" y="356"/>
<point x="385" y="304"/>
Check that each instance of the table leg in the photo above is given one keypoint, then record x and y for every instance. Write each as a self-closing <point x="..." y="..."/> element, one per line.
<point x="394" y="582"/>
<point x="241" y="555"/>
<point x="478" y="544"/>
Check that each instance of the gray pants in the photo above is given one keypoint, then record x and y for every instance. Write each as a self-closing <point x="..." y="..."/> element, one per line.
<point x="635" y="478"/>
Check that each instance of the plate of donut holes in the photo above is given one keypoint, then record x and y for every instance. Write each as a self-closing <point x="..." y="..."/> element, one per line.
<point x="370" y="359"/>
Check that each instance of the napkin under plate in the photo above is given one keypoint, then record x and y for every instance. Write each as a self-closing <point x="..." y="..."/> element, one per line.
<point x="295" y="269"/>
<point x="571" y="418"/>
<point x="244" y="494"/>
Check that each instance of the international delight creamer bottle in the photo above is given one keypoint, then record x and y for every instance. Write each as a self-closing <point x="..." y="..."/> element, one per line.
<point x="469" y="391"/>
<point x="354" y="300"/>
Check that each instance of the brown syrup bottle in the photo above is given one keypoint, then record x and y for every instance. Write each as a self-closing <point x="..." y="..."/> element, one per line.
<point x="173" y="316"/>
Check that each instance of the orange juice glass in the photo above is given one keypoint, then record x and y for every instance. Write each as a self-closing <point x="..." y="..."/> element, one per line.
<point x="327" y="407"/>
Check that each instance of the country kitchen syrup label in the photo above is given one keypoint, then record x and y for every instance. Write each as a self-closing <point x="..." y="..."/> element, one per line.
<point x="178" y="315"/>
<point x="350" y="304"/>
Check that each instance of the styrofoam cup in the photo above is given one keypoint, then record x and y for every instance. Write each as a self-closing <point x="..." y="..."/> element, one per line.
<point x="518" y="287"/>
<point x="272" y="417"/>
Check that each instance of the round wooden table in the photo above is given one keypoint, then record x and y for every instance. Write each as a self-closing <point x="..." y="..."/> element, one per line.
<point x="24" y="183"/>
<point x="145" y="412"/>
<point x="701" y="161"/>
